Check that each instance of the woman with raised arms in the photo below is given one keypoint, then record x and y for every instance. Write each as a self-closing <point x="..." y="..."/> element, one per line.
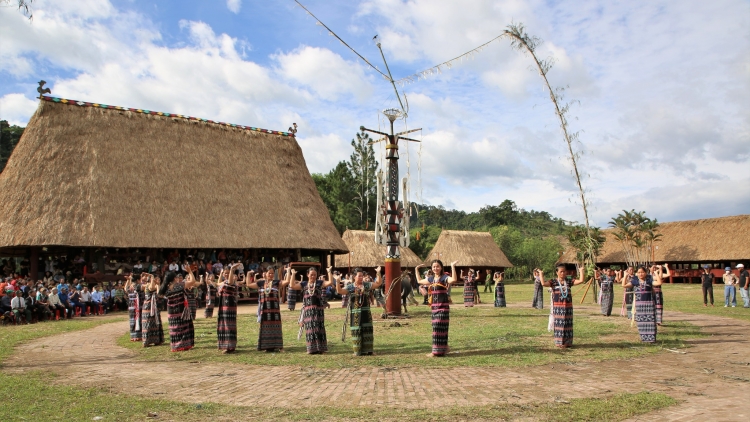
<point x="439" y="302"/>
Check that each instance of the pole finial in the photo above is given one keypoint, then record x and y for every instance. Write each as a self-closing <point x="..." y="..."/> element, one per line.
<point x="41" y="89"/>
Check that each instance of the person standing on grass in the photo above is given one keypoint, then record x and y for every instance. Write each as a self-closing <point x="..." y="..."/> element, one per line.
<point x="153" y="334"/>
<point x="487" y="280"/>
<point x="270" y="336"/>
<point x="606" y="290"/>
<point x="538" y="301"/>
<point x="645" y="311"/>
<point x="360" y="317"/>
<point x="499" y="290"/>
<point x="135" y="301"/>
<point x="562" y="304"/>
<point x="181" y="330"/>
<point x="627" y="300"/>
<point x="470" y="288"/>
<point x="210" y="296"/>
<point x="707" y="285"/>
<point x="439" y="299"/>
<point x="658" y="296"/>
<point x="729" y="281"/>
<point x="744" y="285"/>
<point x="226" y="316"/>
<point x="313" y="313"/>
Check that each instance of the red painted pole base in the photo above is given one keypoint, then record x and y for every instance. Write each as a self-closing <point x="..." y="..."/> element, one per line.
<point x="393" y="272"/>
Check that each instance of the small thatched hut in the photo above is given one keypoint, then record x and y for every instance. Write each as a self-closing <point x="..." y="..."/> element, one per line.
<point x="687" y="246"/>
<point x="90" y="175"/>
<point x="475" y="250"/>
<point x="366" y="254"/>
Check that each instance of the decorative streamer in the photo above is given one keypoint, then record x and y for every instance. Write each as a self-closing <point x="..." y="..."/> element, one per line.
<point x="437" y="69"/>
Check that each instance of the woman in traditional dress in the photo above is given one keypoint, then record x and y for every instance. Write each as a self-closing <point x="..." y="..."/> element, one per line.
<point x="192" y="300"/>
<point x="226" y="317"/>
<point x="291" y="298"/>
<point x="313" y="314"/>
<point x="627" y="300"/>
<point x="562" y="304"/>
<point x="645" y="313"/>
<point x="470" y="288"/>
<point x="210" y="296"/>
<point x="659" y="297"/>
<point x="153" y="335"/>
<point x="181" y="330"/>
<point x="270" y="337"/>
<point x="499" y="290"/>
<point x="440" y="304"/>
<point x="135" y="299"/>
<point x="344" y="283"/>
<point x="538" y="301"/>
<point x="606" y="290"/>
<point x="360" y="317"/>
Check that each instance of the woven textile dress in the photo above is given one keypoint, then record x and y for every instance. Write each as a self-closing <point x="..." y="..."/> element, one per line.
<point x="659" y="303"/>
<point x="538" y="301"/>
<point x="291" y="298"/>
<point x="607" y="294"/>
<point x="470" y="289"/>
<point x="135" y="299"/>
<point x="269" y="336"/>
<point x="645" y="312"/>
<point x="562" y="312"/>
<point x="210" y="301"/>
<point x="313" y="316"/>
<point x="153" y="335"/>
<point x="360" y="320"/>
<point x="226" y="317"/>
<point x="500" y="295"/>
<point x="192" y="302"/>
<point x="441" y="313"/>
<point x="181" y="330"/>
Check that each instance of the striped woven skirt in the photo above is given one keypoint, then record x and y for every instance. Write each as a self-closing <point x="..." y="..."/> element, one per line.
<point x="192" y="303"/>
<point x="538" y="301"/>
<point x="441" y="315"/>
<point x="500" y="295"/>
<point x="181" y="331"/>
<point x="645" y="317"/>
<point x="153" y="335"/>
<point x="226" y="318"/>
<point x="659" y="303"/>
<point x="210" y="301"/>
<point x="360" y="324"/>
<point x="470" y="290"/>
<point x="606" y="298"/>
<point x="136" y="333"/>
<point x="562" y="313"/>
<point x="270" y="336"/>
<point x="291" y="298"/>
<point x="313" y="318"/>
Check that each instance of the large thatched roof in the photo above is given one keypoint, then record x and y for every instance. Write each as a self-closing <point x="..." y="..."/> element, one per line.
<point x="368" y="254"/>
<point x="88" y="174"/>
<point x="711" y="239"/>
<point x="470" y="249"/>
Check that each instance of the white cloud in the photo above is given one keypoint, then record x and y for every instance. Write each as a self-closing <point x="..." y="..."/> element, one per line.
<point x="234" y="6"/>
<point x="16" y="108"/>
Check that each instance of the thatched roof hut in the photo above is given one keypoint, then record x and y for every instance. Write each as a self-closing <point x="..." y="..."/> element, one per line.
<point x="711" y="240"/>
<point x="367" y="254"/>
<point x="87" y="174"/>
<point x="470" y="249"/>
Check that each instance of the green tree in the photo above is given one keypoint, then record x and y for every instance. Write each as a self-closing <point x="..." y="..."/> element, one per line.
<point x="336" y="189"/>
<point x="9" y="137"/>
<point x="364" y="168"/>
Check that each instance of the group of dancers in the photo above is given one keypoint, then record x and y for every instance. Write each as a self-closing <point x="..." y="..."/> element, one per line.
<point x="641" y="288"/>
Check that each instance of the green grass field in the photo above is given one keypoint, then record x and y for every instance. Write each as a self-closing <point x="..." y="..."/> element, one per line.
<point x="479" y="336"/>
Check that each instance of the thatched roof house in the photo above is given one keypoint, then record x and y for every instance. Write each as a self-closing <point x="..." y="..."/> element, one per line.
<point x="367" y="254"/>
<point x="471" y="249"/>
<point x="710" y="240"/>
<point x="94" y="175"/>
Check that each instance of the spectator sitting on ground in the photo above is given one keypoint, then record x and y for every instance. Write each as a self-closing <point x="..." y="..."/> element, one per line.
<point x="18" y="305"/>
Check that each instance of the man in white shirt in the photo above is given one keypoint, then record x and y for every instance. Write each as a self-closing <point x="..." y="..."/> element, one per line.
<point x="55" y="304"/>
<point x="18" y="305"/>
<point x="96" y="301"/>
<point x="174" y="267"/>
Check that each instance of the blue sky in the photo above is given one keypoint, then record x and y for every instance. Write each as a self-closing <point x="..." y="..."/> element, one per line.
<point x="662" y="88"/>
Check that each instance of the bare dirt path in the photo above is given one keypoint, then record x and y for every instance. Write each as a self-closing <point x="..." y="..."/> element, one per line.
<point x="709" y="376"/>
